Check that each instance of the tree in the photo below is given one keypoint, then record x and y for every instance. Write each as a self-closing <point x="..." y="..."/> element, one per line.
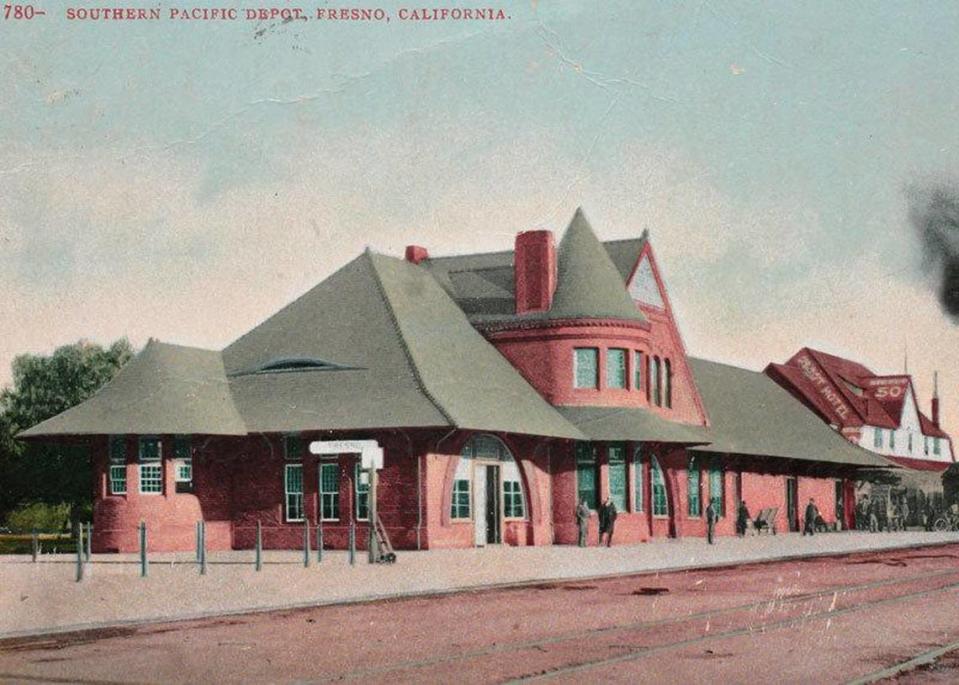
<point x="44" y="387"/>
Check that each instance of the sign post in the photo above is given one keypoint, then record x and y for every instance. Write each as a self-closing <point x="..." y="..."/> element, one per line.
<point x="371" y="460"/>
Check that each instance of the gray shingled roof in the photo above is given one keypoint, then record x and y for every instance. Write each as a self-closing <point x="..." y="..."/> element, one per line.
<point x="164" y="389"/>
<point x="483" y="286"/>
<point x="413" y="360"/>
<point x="751" y="414"/>
<point x="627" y="423"/>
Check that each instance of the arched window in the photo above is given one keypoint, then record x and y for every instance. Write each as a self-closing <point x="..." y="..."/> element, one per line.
<point x="660" y="505"/>
<point x="668" y="384"/>
<point x="692" y="481"/>
<point x="487" y="448"/>
<point x="657" y="383"/>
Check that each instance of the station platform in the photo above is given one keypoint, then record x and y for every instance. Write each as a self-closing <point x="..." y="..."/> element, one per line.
<point x="44" y="597"/>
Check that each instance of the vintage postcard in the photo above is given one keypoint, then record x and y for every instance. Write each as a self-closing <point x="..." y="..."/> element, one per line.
<point x="450" y="342"/>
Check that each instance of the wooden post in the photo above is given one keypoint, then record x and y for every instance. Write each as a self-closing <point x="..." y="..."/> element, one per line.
<point x="319" y="540"/>
<point x="198" y="542"/>
<point x="352" y="537"/>
<point x="202" y="548"/>
<point x="36" y="545"/>
<point x="306" y="542"/>
<point x="259" y="546"/>
<point x="87" y="550"/>
<point x="143" y="549"/>
<point x="79" y="536"/>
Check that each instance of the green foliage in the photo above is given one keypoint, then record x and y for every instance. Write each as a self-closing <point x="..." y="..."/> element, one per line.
<point x="49" y="518"/>
<point x="878" y="477"/>
<point x="44" y="386"/>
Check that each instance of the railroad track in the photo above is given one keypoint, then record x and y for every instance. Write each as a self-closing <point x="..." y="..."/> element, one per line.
<point x="841" y="604"/>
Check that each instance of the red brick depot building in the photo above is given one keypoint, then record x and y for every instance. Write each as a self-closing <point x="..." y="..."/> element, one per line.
<point x="502" y="387"/>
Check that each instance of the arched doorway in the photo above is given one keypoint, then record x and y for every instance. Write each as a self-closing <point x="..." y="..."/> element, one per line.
<point x="488" y="488"/>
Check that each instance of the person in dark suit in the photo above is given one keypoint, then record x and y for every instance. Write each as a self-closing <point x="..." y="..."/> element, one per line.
<point x="582" y="521"/>
<point x="711" y="521"/>
<point x="742" y="519"/>
<point x="812" y="513"/>
<point x="607" y="521"/>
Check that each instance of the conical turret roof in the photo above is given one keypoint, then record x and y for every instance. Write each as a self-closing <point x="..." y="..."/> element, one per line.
<point x="588" y="283"/>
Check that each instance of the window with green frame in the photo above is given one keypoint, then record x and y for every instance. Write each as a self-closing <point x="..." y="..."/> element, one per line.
<point x="877" y="437"/>
<point x="935" y="446"/>
<point x="513" y="499"/>
<point x="362" y="491"/>
<point x="151" y="466"/>
<point x="639" y="493"/>
<point x="656" y="384"/>
<point x="695" y="507"/>
<point x="892" y="439"/>
<point x="118" y="465"/>
<point x="460" y="508"/>
<point x="293" y="491"/>
<point x="183" y="464"/>
<point x="586" y="475"/>
<point x="616" y="368"/>
<point x="660" y="504"/>
<point x="667" y="384"/>
<point x="330" y="492"/>
<point x="617" y="475"/>
<point x="716" y="487"/>
<point x="638" y="371"/>
<point x="586" y="367"/>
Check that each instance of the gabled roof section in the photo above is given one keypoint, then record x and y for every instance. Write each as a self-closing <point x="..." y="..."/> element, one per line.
<point x="751" y="414"/>
<point x="165" y="389"/>
<point x="630" y="423"/>
<point x="414" y="361"/>
<point x="588" y="285"/>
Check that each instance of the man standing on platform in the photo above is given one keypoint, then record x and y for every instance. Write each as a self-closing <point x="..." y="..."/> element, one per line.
<point x="710" y="521"/>
<point x="607" y="521"/>
<point x="582" y="521"/>
<point x="809" y="525"/>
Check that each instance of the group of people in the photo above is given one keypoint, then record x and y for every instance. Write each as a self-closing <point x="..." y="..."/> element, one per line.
<point x="889" y="514"/>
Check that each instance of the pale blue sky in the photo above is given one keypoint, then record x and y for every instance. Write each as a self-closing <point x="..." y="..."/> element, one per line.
<point x="184" y="181"/>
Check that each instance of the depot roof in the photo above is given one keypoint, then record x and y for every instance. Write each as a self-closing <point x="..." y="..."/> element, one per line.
<point x="751" y="414"/>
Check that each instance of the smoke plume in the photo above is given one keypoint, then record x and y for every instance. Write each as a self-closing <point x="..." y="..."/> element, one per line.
<point x="934" y="212"/>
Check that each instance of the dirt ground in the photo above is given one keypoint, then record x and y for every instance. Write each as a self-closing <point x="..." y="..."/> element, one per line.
<point x="821" y="620"/>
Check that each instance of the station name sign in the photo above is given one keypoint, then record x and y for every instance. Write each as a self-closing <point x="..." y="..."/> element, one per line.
<point x="371" y="454"/>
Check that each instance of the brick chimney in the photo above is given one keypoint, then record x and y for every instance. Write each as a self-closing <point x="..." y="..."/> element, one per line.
<point x="535" y="271"/>
<point x="416" y="254"/>
<point x="935" y="398"/>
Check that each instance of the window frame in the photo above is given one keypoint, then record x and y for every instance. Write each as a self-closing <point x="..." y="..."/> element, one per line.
<point x="334" y="495"/>
<point x="656" y="382"/>
<point x="584" y="465"/>
<point x="576" y="366"/>
<point x="877" y="438"/>
<point x="621" y="379"/>
<point x="693" y="468"/>
<point x="656" y="468"/>
<point x="292" y="447"/>
<point x="153" y="463"/>
<point x="181" y="460"/>
<point x="936" y="448"/>
<point x="117" y="463"/>
<point x="455" y="505"/>
<point x="639" y="482"/>
<point x="513" y="500"/>
<point x="288" y="493"/>
<point x="639" y="373"/>
<point x="620" y="463"/>
<point x="361" y="493"/>
<point x="667" y="384"/>
<point x="717" y="468"/>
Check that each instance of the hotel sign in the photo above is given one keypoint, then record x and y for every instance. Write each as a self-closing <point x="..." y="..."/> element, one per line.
<point x="824" y="386"/>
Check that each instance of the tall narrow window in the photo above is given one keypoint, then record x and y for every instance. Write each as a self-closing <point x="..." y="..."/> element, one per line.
<point x="617" y="475"/>
<point x="616" y="368"/>
<point x="657" y="383"/>
<point x="513" y="506"/>
<point x="716" y="495"/>
<point x="638" y="371"/>
<point x="151" y="466"/>
<point x="892" y="439"/>
<point x="639" y="483"/>
<point x="293" y="491"/>
<point x="909" y="435"/>
<point x="935" y="446"/>
<point x="586" y="475"/>
<point x="118" y="466"/>
<point x="660" y="504"/>
<point x="362" y="493"/>
<point x="182" y="464"/>
<point x="460" y="507"/>
<point x="586" y="367"/>
<point x="667" y="384"/>
<point x="330" y="492"/>
<point x="649" y="376"/>
<point x="877" y="438"/>
<point x="925" y="445"/>
<point x="692" y="480"/>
